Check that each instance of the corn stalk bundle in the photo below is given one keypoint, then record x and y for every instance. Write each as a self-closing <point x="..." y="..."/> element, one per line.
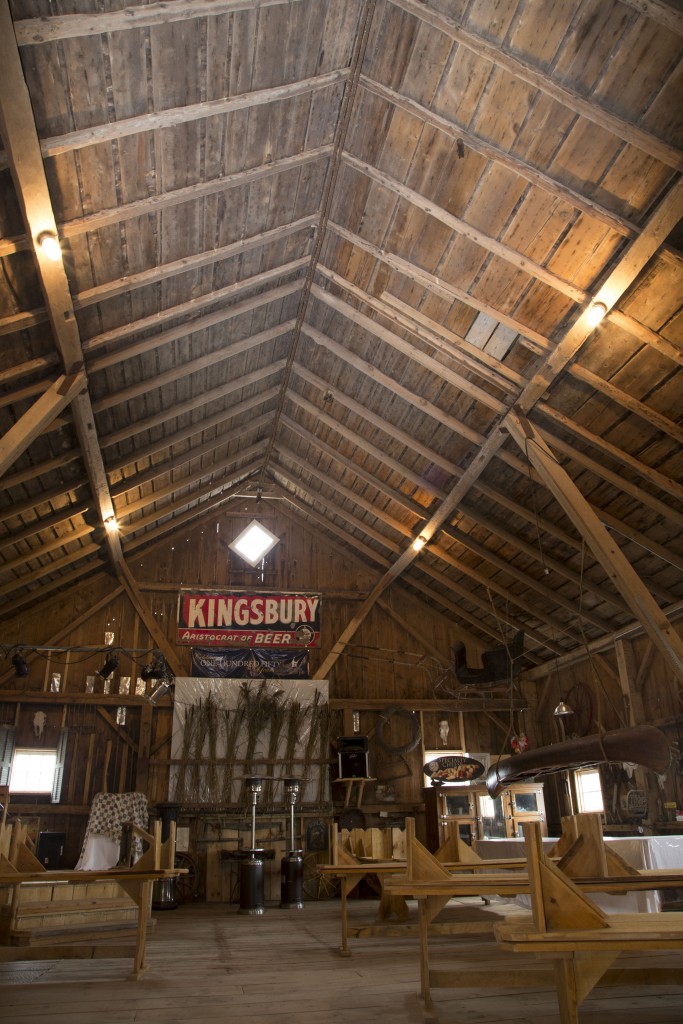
<point x="314" y="710"/>
<point x="198" y="752"/>
<point x="232" y="723"/>
<point x="211" y="717"/>
<point x="181" y="788"/>
<point x="296" y="716"/>
<point x="277" y="708"/>
<point x="324" y="733"/>
<point x="256" y="715"/>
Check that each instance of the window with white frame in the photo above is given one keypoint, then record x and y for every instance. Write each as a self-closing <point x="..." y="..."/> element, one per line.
<point x="588" y="790"/>
<point x="33" y="771"/>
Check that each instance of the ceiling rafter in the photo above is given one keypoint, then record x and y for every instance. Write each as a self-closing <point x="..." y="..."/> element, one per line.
<point x="170" y="118"/>
<point x="533" y="551"/>
<point x="33" y="31"/>
<point x="462" y="538"/>
<point x="460" y="132"/>
<point x="645" y="609"/>
<point x="23" y="151"/>
<point x="661" y="222"/>
<point x="524" y="71"/>
<point x="124" y="285"/>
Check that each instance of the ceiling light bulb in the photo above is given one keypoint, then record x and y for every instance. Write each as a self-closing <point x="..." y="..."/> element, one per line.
<point x="419" y="543"/>
<point x="111" y="524"/>
<point x="50" y="247"/>
<point x="597" y="311"/>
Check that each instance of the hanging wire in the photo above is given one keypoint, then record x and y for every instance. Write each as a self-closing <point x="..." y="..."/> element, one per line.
<point x="589" y="653"/>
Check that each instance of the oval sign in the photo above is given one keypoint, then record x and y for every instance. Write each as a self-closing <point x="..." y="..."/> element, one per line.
<point x="454" y="768"/>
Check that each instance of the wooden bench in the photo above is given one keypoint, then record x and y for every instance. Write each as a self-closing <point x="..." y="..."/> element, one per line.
<point x="582" y="941"/>
<point x="393" y="912"/>
<point x="433" y="885"/>
<point x="19" y="868"/>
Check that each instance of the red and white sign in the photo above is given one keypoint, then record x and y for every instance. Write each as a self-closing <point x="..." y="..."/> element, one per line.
<point x="239" y="619"/>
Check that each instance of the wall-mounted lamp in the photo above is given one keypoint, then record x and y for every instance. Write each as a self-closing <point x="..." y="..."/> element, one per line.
<point x="419" y="543"/>
<point x="596" y="312"/>
<point x="49" y="246"/>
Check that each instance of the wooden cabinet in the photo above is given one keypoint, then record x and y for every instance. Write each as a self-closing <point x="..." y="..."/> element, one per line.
<point x="477" y="815"/>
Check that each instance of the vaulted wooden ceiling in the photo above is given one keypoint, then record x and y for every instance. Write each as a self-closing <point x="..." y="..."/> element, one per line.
<point x="347" y="252"/>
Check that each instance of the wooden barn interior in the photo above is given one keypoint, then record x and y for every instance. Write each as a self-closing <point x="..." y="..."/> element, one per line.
<point x="398" y="282"/>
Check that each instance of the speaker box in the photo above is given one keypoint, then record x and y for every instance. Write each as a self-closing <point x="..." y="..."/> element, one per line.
<point x="353" y="765"/>
<point x="49" y="849"/>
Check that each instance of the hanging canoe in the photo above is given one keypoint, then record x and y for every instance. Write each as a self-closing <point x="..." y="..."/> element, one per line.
<point x="642" y="744"/>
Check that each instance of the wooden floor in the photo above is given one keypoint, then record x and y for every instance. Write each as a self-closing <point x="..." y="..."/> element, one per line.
<point x="208" y="964"/>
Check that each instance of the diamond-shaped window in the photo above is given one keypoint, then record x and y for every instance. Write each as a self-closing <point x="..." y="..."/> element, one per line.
<point x="254" y="543"/>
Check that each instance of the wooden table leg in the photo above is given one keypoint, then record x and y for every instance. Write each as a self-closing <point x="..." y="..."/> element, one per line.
<point x="565" y="983"/>
<point x="424" y="955"/>
<point x="344" y="950"/>
<point x="144" y="902"/>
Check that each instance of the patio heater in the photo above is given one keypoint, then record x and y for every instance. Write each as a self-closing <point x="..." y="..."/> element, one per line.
<point x="252" y="867"/>
<point x="292" y="866"/>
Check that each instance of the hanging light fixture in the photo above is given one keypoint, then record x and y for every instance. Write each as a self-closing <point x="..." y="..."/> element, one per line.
<point x="20" y="665"/>
<point x="563" y="709"/>
<point x="160" y="691"/>
<point x="110" y="665"/>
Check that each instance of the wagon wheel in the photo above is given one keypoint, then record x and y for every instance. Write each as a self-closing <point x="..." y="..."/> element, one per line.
<point x="317" y="884"/>
<point x="186" y="887"/>
<point x="580" y="700"/>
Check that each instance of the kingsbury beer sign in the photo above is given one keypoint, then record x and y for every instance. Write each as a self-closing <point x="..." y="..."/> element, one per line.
<point x="241" y="619"/>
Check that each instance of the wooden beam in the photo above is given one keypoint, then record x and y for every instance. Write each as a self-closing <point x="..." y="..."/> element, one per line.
<point x="530" y="550"/>
<point x="183" y="370"/>
<point x="529" y="337"/>
<point x="33" y="31"/>
<point x="191" y="308"/>
<point x="141" y="607"/>
<point x="113" y="725"/>
<point x="486" y="242"/>
<point x="633" y="701"/>
<point x="610" y="556"/>
<point x="643" y="495"/>
<point x="251" y="453"/>
<point x="190" y="193"/>
<point x="188" y="328"/>
<point x="198" y="402"/>
<point x="22" y="146"/>
<point x="399" y="344"/>
<point x="460" y="131"/>
<point x="196" y="429"/>
<point x="199" y="511"/>
<point x="25" y="430"/>
<point x="144" y="278"/>
<point x="660" y="11"/>
<point x="147" y="123"/>
<point x="174" y="461"/>
<point x="525" y="72"/>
